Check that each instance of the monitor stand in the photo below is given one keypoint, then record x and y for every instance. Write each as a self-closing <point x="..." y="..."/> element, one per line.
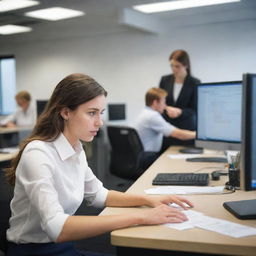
<point x="191" y="150"/>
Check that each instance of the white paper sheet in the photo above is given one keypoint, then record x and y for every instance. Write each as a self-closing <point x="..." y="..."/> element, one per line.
<point x="9" y="150"/>
<point x="225" y="227"/>
<point x="183" y="156"/>
<point x="183" y="190"/>
<point x="199" y="220"/>
<point x="193" y="217"/>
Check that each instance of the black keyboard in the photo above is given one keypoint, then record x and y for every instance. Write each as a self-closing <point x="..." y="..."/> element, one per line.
<point x="191" y="179"/>
<point x="207" y="159"/>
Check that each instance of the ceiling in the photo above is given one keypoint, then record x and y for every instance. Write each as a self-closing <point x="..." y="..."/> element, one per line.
<point x="103" y="16"/>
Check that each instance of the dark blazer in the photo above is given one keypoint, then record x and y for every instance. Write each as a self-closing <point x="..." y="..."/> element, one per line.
<point x="187" y="101"/>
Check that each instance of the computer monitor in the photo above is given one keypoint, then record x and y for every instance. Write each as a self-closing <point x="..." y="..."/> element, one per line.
<point x="219" y="111"/>
<point x="248" y="148"/>
<point x="8" y="140"/>
<point x="40" y="106"/>
<point x="116" y="112"/>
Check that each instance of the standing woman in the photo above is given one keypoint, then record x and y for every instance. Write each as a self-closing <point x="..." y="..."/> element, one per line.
<point x="181" y="98"/>
<point x="52" y="178"/>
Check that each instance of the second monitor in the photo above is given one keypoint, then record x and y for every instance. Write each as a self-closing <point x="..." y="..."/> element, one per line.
<point x="219" y="111"/>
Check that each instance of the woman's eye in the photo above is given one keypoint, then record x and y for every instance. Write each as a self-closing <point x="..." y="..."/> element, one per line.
<point x="92" y="113"/>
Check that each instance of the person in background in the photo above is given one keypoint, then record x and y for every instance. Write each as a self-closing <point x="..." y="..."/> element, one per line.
<point x="181" y="98"/>
<point x="25" y="115"/>
<point x="51" y="178"/>
<point x="152" y="127"/>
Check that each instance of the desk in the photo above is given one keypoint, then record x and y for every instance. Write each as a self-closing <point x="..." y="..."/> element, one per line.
<point x="6" y="156"/>
<point x="4" y="130"/>
<point x="5" y="159"/>
<point x="21" y="132"/>
<point x="195" y="240"/>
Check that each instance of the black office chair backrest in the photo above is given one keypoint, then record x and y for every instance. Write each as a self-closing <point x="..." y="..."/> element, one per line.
<point x="126" y="149"/>
<point x="6" y="194"/>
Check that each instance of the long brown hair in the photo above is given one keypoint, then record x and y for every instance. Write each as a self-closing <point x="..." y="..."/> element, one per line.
<point x="182" y="57"/>
<point x="71" y="92"/>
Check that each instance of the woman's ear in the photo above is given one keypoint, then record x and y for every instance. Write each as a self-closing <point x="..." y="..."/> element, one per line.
<point x="65" y="113"/>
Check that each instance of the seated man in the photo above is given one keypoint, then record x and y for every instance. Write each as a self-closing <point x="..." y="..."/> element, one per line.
<point x="151" y="126"/>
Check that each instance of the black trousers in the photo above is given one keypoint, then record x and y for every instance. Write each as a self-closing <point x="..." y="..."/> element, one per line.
<point x="46" y="249"/>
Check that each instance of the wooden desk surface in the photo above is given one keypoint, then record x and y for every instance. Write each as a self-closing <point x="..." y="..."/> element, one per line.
<point x="15" y="129"/>
<point x="6" y="156"/>
<point x="5" y="130"/>
<point x="192" y="240"/>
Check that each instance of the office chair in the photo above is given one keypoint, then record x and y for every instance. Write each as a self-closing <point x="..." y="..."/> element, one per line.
<point x="128" y="158"/>
<point x="6" y="194"/>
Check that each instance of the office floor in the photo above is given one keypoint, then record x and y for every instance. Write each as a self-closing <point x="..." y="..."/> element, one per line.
<point x="101" y="243"/>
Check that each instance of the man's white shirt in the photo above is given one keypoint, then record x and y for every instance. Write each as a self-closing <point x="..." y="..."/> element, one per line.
<point x="151" y="128"/>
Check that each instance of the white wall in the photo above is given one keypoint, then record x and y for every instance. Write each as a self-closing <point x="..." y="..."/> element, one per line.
<point x="127" y="64"/>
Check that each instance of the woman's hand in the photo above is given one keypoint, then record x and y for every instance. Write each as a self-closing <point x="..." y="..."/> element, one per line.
<point x="161" y="214"/>
<point x="10" y="124"/>
<point x="154" y="201"/>
<point x="173" y="112"/>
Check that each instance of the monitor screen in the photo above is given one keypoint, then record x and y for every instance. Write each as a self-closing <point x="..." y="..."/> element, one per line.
<point x="116" y="112"/>
<point x="8" y="140"/>
<point x="248" y="150"/>
<point x="219" y="108"/>
<point x="40" y="106"/>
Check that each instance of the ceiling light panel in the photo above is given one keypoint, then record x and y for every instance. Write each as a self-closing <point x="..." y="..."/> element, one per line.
<point x="13" y="29"/>
<point x="54" y="13"/>
<point x="176" y="5"/>
<point x="9" y="5"/>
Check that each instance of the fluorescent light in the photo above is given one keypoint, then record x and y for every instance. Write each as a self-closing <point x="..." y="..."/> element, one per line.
<point x="13" y="29"/>
<point x="54" y="13"/>
<point x="8" y="5"/>
<point x="175" y="5"/>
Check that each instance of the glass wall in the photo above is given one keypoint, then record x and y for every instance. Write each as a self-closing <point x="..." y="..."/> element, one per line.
<point x="7" y="85"/>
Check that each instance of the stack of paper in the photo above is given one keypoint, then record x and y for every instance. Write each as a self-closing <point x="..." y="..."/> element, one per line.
<point x="183" y="156"/>
<point x="224" y="227"/>
<point x="9" y="150"/>
<point x="183" y="190"/>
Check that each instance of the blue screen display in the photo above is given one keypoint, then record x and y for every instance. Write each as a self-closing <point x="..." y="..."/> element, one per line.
<point x="253" y="136"/>
<point x="219" y="111"/>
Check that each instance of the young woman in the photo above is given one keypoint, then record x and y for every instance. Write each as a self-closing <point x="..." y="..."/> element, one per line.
<point x="25" y="115"/>
<point x="181" y="98"/>
<point x="52" y="178"/>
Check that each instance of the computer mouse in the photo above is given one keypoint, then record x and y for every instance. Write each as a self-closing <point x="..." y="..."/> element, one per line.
<point x="215" y="175"/>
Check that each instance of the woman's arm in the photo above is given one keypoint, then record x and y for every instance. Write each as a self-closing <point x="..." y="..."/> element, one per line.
<point x="8" y="121"/>
<point x="80" y="227"/>
<point x="173" y="112"/>
<point x="120" y="199"/>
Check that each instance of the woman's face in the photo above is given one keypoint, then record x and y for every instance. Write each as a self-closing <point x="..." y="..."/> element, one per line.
<point x="84" y="122"/>
<point x="178" y="68"/>
<point x="22" y="103"/>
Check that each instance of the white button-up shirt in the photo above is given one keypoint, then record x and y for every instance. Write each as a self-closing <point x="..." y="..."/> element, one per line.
<point x="151" y="128"/>
<point x="21" y="117"/>
<point x="52" y="179"/>
<point x="176" y="91"/>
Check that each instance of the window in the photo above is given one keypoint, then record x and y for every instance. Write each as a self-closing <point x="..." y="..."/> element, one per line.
<point x="7" y="85"/>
